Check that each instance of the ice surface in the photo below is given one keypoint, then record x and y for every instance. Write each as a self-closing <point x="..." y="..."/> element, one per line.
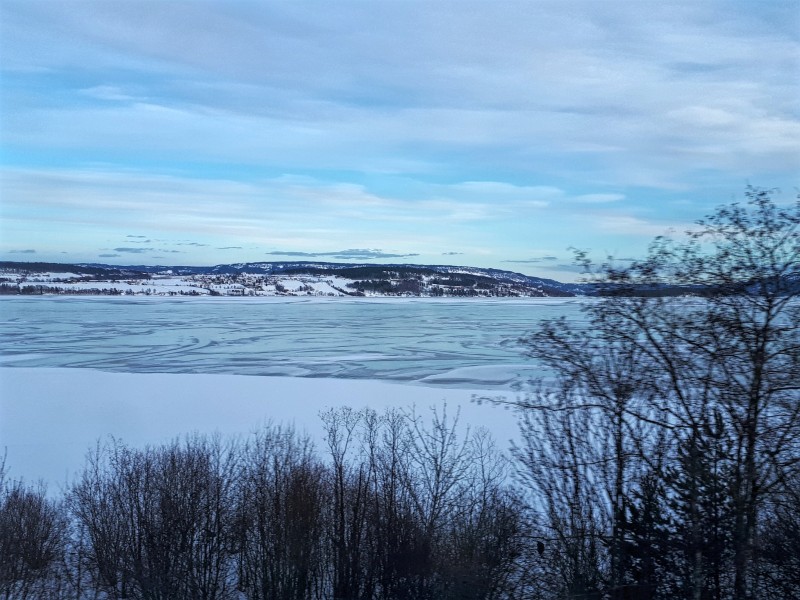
<point x="74" y="370"/>
<point x="450" y="343"/>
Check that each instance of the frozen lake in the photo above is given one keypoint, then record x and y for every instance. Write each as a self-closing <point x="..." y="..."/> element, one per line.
<point x="74" y="371"/>
<point x="448" y="343"/>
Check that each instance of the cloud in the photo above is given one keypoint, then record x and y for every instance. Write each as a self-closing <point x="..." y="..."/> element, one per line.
<point x="475" y="86"/>
<point x="109" y="255"/>
<point x="30" y="251"/>
<point x="417" y="125"/>
<point x="564" y="268"/>
<point x="451" y="253"/>
<point x="289" y="212"/>
<point x="527" y="261"/>
<point x="621" y="224"/>
<point x="132" y="250"/>
<point x="229" y="248"/>
<point x="676" y="90"/>
<point x="534" y="196"/>
<point x="351" y="254"/>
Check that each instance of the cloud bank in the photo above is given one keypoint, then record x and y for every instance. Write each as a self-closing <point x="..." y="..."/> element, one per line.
<point x="351" y="254"/>
<point x="508" y="129"/>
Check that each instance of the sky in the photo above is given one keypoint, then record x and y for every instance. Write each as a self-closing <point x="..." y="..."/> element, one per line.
<point x="490" y="134"/>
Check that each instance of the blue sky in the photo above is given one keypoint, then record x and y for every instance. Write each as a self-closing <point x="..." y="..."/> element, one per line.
<point x="493" y="134"/>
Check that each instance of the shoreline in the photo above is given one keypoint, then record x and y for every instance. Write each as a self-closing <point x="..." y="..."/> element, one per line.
<point x="300" y="299"/>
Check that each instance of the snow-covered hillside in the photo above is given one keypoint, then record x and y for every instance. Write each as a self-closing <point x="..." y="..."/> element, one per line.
<point x="275" y="279"/>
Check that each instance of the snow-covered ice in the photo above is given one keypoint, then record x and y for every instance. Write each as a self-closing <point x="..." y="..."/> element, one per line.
<point x="51" y="417"/>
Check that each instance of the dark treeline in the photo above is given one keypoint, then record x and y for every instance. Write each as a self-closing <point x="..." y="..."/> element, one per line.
<point x="661" y="460"/>
<point x="34" y="289"/>
<point x="393" y="507"/>
<point x="390" y="508"/>
<point x="97" y="271"/>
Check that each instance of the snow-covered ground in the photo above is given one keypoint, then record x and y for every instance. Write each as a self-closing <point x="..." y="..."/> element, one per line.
<point x="160" y="285"/>
<point x="51" y="417"/>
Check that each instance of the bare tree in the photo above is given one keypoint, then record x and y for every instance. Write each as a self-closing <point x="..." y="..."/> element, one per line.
<point x="158" y="521"/>
<point x="428" y="513"/>
<point x="482" y="545"/>
<point x="734" y="354"/>
<point x="349" y="503"/>
<point x="558" y="463"/>
<point x="95" y="504"/>
<point x="32" y="538"/>
<point x="281" y="495"/>
<point x="702" y="336"/>
<point x="393" y="530"/>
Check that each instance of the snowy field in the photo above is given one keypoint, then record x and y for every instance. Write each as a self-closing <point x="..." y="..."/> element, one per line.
<point x="51" y="417"/>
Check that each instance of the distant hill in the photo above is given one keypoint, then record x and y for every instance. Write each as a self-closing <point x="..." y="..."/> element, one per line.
<point x="315" y="279"/>
<point x="280" y="278"/>
<point x="102" y="271"/>
<point x="364" y="271"/>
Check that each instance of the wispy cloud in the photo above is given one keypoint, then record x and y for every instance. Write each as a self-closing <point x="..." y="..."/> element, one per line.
<point x="564" y="268"/>
<point x="29" y="251"/>
<point x="532" y="261"/>
<point x="125" y="250"/>
<point x="622" y="224"/>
